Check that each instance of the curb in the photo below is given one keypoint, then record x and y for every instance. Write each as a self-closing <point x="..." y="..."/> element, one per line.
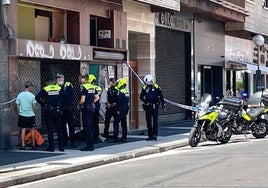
<point x="163" y="147"/>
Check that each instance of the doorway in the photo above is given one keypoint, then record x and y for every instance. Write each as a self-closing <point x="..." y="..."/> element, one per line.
<point x="134" y="96"/>
<point x="103" y="73"/>
<point x="140" y="59"/>
<point x="211" y="80"/>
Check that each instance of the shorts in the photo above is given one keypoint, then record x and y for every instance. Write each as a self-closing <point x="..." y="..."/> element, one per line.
<point x="26" y="122"/>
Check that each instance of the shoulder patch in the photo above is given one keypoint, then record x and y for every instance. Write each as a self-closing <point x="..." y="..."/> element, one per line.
<point x="156" y="86"/>
<point x="68" y="84"/>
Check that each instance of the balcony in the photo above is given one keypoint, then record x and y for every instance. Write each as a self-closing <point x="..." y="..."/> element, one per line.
<point x="240" y="3"/>
<point x="222" y="10"/>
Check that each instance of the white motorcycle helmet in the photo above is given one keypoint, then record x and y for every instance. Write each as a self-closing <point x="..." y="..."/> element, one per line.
<point x="149" y="79"/>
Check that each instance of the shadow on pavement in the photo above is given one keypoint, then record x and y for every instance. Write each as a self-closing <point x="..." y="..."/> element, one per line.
<point x="11" y="157"/>
<point x="165" y="129"/>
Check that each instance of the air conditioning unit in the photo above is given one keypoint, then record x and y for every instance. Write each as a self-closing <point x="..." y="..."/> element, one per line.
<point x="6" y="2"/>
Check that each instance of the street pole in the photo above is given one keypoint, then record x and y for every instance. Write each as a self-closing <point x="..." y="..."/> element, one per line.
<point x="194" y="65"/>
<point x="193" y="20"/>
<point x="258" y="73"/>
<point x="258" y="41"/>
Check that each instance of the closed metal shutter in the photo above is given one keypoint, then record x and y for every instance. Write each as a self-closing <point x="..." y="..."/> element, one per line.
<point x="171" y="68"/>
<point x="29" y="70"/>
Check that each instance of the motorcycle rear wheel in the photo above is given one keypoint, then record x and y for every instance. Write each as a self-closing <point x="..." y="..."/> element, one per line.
<point x="262" y="129"/>
<point x="194" y="137"/>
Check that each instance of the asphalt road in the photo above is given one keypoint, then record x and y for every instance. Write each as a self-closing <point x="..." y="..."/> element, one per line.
<point x="241" y="163"/>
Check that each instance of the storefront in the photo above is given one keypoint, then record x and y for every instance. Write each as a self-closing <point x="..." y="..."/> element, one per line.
<point x="173" y="59"/>
<point x="68" y="37"/>
<point x="239" y="65"/>
<point x="36" y="60"/>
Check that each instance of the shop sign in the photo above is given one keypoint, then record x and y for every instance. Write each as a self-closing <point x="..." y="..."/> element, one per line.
<point x="238" y="50"/>
<point x="52" y="50"/>
<point x="170" y="19"/>
<point x="169" y="4"/>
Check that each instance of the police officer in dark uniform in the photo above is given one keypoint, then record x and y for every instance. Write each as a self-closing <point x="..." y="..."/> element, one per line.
<point x="110" y="106"/>
<point x="92" y="80"/>
<point x="67" y="114"/>
<point x="88" y="96"/>
<point x="52" y="99"/>
<point x="122" y="108"/>
<point x="151" y="95"/>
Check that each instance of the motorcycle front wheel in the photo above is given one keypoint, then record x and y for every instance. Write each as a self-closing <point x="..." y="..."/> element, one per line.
<point x="260" y="129"/>
<point x="194" y="137"/>
<point x="226" y="135"/>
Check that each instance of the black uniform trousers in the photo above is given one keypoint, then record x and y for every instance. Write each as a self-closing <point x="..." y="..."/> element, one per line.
<point x="121" y="116"/>
<point x="68" y="117"/>
<point x="151" y="113"/>
<point x="96" y="119"/>
<point x="110" y="112"/>
<point x="87" y="119"/>
<point x="54" y="122"/>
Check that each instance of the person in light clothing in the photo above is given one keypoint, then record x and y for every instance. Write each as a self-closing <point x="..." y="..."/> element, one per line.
<point x="26" y="103"/>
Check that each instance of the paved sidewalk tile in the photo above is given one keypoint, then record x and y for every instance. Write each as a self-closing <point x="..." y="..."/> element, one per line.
<point x="25" y="166"/>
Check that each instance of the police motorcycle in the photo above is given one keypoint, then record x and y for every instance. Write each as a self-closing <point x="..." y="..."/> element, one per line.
<point x="210" y="121"/>
<point x="247" y="119"/>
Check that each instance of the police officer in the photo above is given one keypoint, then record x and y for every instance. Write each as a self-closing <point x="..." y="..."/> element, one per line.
<point x="122" y="108"/>
<point x="110" y="106"/>
<point x="88" y="96"/>
<point x="67" y="115"/>
<point x="151" y="95"/>
<point x="92" y="80"/>
<point x="51" y="99"/>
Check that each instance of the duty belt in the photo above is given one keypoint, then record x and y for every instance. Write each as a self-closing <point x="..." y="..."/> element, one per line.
<point x="53" y="107"/>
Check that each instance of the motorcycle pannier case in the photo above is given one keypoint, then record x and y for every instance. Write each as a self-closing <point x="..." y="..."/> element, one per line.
<point x="232" y="104"/>
<point x="265" y="100"/>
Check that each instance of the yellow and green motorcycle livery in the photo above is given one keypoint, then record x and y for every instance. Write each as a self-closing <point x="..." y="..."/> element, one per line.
<point x="211" y="121"/>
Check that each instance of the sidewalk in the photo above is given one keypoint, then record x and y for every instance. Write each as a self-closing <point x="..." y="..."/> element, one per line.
<point x="19" y="167"/>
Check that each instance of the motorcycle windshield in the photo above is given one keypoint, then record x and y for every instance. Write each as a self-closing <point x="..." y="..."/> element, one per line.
<point x="205" y="100"/>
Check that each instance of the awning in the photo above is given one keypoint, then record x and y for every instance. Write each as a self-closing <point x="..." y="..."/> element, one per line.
<point x="240" y="65"/>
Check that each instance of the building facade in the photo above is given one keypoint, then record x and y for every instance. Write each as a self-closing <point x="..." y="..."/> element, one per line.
<point x="142" y="47"/>
<point x="47" y="37"/>
<point x="72" y="38"/>
<point x="208" y="19"/>
<point x="187" y="45"/>
<point x="255" y="23"/>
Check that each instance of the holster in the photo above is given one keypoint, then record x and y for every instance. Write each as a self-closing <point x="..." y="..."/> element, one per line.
<point x="145" y="106"/>
<point x="149" y="106"/>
